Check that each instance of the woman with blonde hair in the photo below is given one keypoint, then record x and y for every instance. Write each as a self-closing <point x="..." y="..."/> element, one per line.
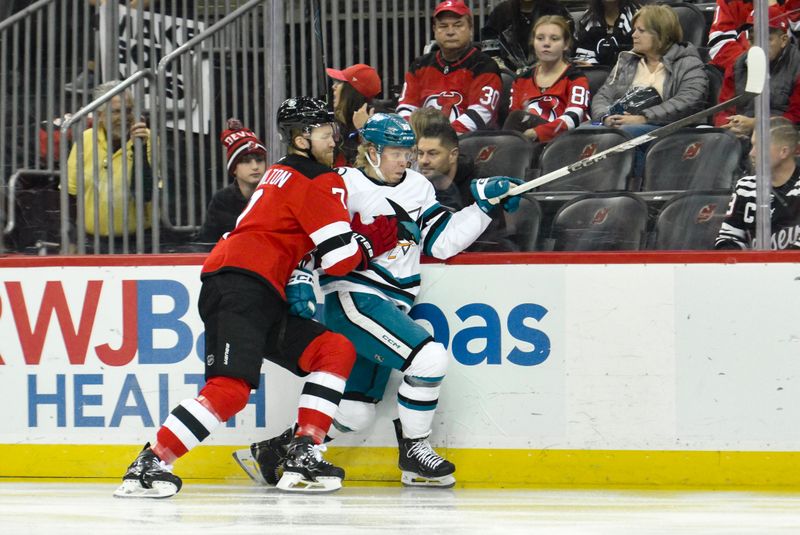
<point x="659" y="60"/>
<point x="551" y="96"/>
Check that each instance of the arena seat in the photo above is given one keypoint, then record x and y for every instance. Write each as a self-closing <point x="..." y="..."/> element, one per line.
<point x="600" y="222"/>
<point x="497" y="152"/>
<point x="611" y="174"/>
<point x="596" y="74"/>
<point x="692" y="159"/>
<point x="690" y="220"/>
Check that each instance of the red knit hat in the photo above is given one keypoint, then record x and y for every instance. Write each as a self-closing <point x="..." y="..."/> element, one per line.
<point x="239" y="141"/>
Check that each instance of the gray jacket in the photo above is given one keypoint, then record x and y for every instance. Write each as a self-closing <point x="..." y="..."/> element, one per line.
<point x="685" y="85"/>
<point x="783" y="74"/>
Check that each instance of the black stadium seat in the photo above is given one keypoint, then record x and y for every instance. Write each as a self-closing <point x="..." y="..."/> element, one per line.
<point x="497" y="152"/>
<point x="600" y="222"/>
<point x="596" y="74"/>
<point x="692" y="159"/>
<point x="693" y="22"/>
<point x="611" y="174"/>
<point x="691" y="220"/>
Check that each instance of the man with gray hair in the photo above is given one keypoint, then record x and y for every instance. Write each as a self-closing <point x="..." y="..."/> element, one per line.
<point x="110" y="164"/>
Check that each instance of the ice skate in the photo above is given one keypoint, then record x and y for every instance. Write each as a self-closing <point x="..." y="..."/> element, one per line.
<point x="148" y="477"/>
<point x="420" y="464"/>
<point x="304" y="469"/>
<point x="262" y="461"/>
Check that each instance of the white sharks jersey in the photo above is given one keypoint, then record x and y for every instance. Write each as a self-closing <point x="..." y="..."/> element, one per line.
<point x="424" y="227"/>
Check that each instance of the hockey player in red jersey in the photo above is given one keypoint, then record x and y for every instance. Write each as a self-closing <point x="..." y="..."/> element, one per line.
<point x="458" y="79"/>
<point x="243" y="305"/>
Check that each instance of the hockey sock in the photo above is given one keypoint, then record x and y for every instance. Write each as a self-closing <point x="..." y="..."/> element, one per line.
<point x="329" y="359"/>
<point x="418" y="394"/>
<point x="194" y="419"/>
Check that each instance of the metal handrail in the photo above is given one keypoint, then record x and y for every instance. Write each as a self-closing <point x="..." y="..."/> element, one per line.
<point x="67" y="124"/>
<point x="24" y="12"/>
<point x="161" y="81"/>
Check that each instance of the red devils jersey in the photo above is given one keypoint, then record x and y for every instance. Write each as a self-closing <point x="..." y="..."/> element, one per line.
<point x="726" y="37"/>
<point x="298" y="205"/>
<point x="466" y="90"/>
<point x="563" y="105"/>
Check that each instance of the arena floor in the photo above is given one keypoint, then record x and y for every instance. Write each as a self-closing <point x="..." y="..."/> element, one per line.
<point x="89" y="508"/>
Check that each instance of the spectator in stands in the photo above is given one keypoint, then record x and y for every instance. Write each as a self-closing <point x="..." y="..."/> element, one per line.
<point x="739" y="228"/>
<point x="458" y="79"/>
<point x="451" y="173"/>
<point x="439" y="160"/>
<point x="605" y="30"/>
<point x="510" y="24"/>
<point x="727" y="37"/>
<point x="784" y="80"/>
<point x="552" y="96"/>
<point x="422" y="118"/>
<point x="114" y="154"/>
<point x="247" y="161"/>
<point x="353" y="91"/>
<point x="658" y="60"/>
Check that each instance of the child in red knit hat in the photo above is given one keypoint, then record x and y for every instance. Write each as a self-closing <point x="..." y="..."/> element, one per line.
<point x="247" y="161"/>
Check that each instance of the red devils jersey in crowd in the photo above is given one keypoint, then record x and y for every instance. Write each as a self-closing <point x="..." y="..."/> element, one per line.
<point x="298" y="205"/>
<point x="466" y="90"/>
<point x="563" y="104"/>
<point x="727" y="38"/>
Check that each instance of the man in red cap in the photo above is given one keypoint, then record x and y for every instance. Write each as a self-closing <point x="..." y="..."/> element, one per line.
<point x="247" y="161"/>
<point x="784" y="78"/>
<point x="458" y="79"/>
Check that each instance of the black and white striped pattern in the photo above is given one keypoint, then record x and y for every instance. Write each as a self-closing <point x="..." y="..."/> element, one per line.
<point x="322" y="392"/>
<point x="191" y="422"/>
<point x="334" y="243"/>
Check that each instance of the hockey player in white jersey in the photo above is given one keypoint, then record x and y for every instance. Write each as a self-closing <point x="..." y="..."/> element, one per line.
<point x="371" y="306"/>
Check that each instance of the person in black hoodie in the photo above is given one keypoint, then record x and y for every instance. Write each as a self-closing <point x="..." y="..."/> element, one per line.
<point x="509" y="25"/>
<point x="247" y="161"/>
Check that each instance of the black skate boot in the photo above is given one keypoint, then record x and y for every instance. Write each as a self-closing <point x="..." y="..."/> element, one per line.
<point x="148" y="477"/>
<point x="304" y="469"/>
<point x="421" y="465"/>
<point x="263" y="460"/>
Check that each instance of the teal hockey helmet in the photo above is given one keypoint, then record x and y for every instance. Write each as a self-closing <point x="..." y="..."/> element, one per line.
<point x="388" y="130"/>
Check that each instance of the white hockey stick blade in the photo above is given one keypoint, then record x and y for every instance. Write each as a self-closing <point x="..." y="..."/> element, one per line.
<point x="756" y="70"/>
<point x="244" y="458"/>
<point x="756" y="77"/>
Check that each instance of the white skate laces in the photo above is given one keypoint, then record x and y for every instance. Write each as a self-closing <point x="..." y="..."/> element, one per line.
<point x="422" y="451"/>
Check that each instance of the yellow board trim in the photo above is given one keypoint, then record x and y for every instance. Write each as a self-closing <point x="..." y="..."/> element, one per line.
<point x="476" y="467"/>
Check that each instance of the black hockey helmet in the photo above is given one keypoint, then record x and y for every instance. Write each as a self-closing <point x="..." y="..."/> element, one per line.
<point x="302" y="113"/>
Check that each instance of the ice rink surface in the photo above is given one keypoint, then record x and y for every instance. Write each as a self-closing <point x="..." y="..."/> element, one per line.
<point x="89" y="509"/>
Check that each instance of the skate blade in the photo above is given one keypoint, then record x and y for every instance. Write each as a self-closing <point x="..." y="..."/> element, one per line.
<point x="411" y="479"/>
<point x="131" y="488"/>
<point x="244" y="458"/>
<point x="294" y="482"/>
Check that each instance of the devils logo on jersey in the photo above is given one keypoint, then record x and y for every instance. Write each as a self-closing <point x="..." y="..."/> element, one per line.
<point x="447" y="101"/>
<point x="548" y="107"/>
<point x="692" y="151"/>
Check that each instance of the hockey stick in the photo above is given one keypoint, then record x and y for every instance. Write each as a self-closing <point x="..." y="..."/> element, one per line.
<point x="756" y="75"/>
